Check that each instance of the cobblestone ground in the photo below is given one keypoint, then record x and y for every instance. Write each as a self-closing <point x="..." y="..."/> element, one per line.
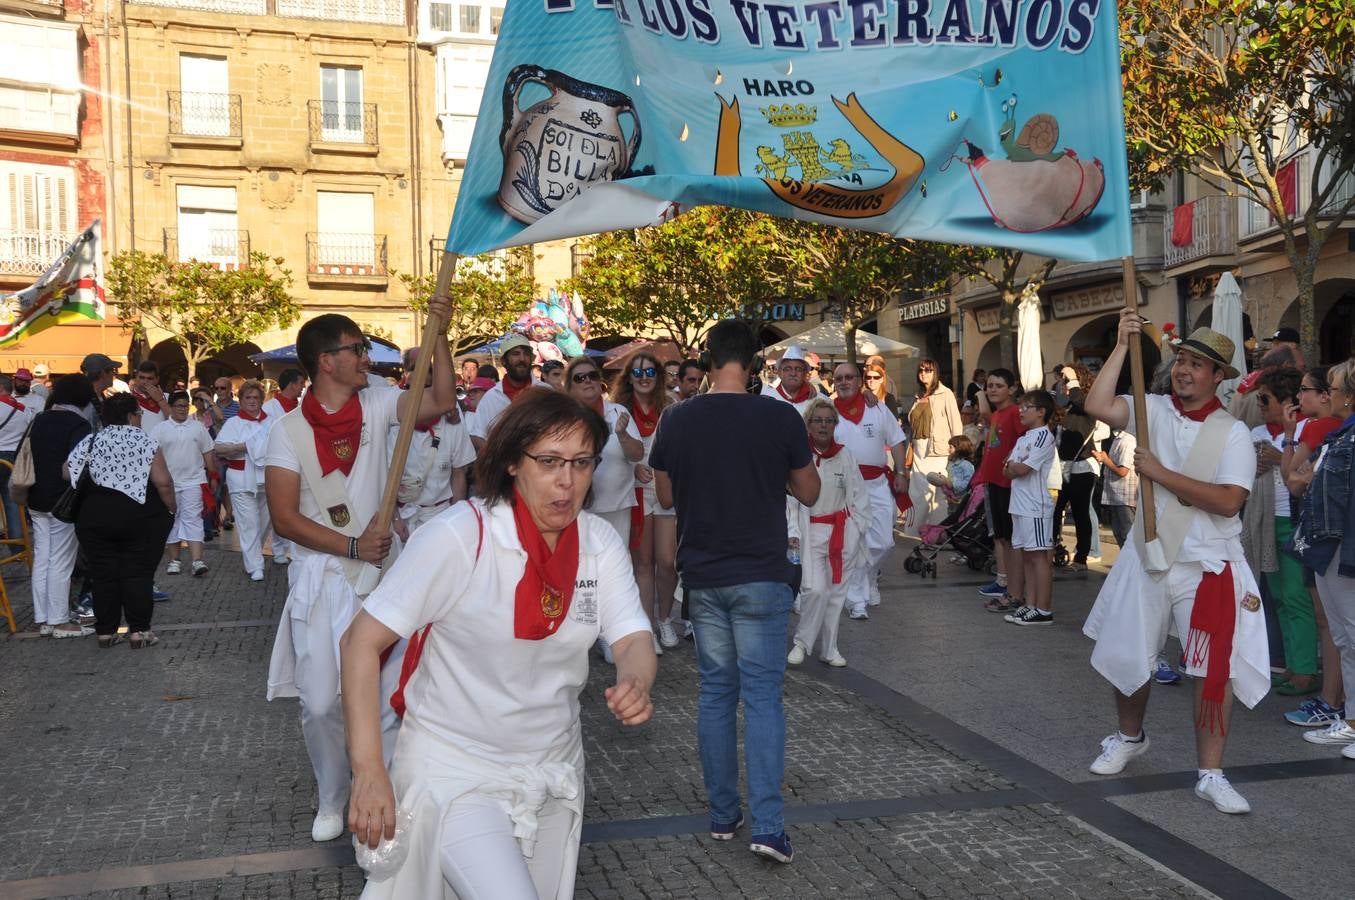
<point x="118" y="759"/>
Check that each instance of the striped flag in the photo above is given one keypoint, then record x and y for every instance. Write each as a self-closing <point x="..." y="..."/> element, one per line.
<point x="72" y="287"/>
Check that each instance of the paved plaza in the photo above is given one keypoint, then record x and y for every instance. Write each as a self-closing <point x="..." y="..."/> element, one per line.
<point x="948" y="761"/>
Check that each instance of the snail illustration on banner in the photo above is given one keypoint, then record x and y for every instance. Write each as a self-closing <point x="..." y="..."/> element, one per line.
<point x="1037" y="187"/>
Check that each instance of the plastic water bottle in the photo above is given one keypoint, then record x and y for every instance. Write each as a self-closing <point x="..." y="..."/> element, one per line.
<point x="389" y="855"/>
<point x="794" y="556"/>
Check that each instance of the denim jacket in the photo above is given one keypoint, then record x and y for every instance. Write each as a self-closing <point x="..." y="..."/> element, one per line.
<point x="1328" y="510"/>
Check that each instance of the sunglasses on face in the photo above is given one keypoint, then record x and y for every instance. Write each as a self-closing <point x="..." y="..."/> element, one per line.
<point x="646" y="372"/>
<point x="359" y="348"/>
<point x="874" y="377"/>
<point x="590" y="375"/>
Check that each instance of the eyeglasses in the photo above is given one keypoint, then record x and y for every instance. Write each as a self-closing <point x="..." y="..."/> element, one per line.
<point x="579" y="464"/>
<point x="646" y="372"/>
<point x="590" y="375"/>
<point x="1304" y="389"/>
<point x="874" y="377"/>
<point x="359" y="348"/>
<point x="819" y="420"/>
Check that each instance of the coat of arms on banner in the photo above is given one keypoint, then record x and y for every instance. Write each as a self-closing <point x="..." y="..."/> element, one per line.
<point x="855" y="170"/>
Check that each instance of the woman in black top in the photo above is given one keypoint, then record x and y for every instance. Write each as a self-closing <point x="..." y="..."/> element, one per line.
<point x="53" y="434"/>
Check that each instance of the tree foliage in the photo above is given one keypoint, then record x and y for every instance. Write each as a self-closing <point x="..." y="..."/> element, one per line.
<point x="488" y="294"/>
<point x="1002" y="268"/>
<point x="1231" y="90"/>
<point x="204" y="308"/>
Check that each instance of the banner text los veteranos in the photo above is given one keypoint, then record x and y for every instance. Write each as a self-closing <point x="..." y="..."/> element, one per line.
<point x="827" y="25"/>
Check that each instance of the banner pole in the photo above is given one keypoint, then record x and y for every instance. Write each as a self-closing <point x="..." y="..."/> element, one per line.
<point x="432" y="333"/>
<point x="1147" y="511"/>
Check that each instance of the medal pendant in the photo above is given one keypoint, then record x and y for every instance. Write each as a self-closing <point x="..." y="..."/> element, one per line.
<point x="338" y="515"/>
<point x="343" y="449"/>
<point x="552" y="602"/>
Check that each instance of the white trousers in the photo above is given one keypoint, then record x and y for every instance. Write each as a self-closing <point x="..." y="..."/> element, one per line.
<point x="280" y="545"/>
<point x="862" y="587"/>
<point x="317" y="682"/>
<point x="251" y="525"/>
<point x="482" y="860"/>
<point x="929" y="501"/>
<point x="821" y="602"/>
<point x="54" y="548"/>
<point x="1337" y="594"/>
<point x="188" y="517"/>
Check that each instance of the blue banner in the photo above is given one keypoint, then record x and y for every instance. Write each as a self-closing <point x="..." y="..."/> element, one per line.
<point x="986" y="122"/>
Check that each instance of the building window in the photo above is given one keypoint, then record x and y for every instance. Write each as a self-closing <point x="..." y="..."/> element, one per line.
<point x="208" y="225"/>
<point x="204" y="83"/>
<point x="469" y="20"/>
<point x="345" y="230"/>
<point x="37" y="215"/>
<point x="39" y="77"/>
<point x="341" y="108"/>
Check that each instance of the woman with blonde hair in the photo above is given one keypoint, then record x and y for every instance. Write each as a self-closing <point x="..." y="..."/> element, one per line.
<point x="932" y="422"/>
<point x="243" y="443"/>
<point x="640" y="391"/>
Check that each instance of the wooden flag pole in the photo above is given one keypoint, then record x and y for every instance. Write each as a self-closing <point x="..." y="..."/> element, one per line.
<point x="1147" y="511"/>
<point x="433" y="331"/>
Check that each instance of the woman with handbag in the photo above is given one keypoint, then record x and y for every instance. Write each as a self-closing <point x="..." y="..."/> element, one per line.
<point x="124" y="507"/>
<point x="53" y="435"/>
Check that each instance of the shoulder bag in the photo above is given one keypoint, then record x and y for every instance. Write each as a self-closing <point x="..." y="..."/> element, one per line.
<point x="23" y="476"/>
<point x="67" y="506"/>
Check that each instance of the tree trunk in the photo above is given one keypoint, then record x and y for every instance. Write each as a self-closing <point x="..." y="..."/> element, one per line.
<point x="1305" y="272"/>
<point x="1006" y="337"/>
<point x="849" y="339"/>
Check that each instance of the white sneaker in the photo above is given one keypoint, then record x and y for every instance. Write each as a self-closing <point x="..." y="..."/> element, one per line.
<point x="1116" y="752"/>
<point x="199" y="568"/>
<point x="256" y="576"/>
<point x="326" y="827"/>
<point x="837" y="662"/>
<point x="282" y="560"/>
<point x="1338" y="732"/>
<point x="667" y="633"/>
<point x="658" y="650"/>
<point x="45" y="630"/>
<point x="859" y="614"/>
<point x="71" y="630"/>
<point x="173" y="567"/>
<point x="1214" y="787"/>
<point x="796" y="655"/>
<point x="1348" y="751"/>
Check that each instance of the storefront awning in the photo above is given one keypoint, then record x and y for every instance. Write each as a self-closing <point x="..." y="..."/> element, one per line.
<point x="61" y="347"/>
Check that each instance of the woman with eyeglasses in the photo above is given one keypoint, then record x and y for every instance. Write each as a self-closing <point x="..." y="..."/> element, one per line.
<point x="933" y="420"/>
<point x="508" y="592"/>
<point x="640" y="391"/>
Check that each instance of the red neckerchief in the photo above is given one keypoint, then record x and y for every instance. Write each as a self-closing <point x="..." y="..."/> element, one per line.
<point x="10" y="401"/>
<point x="146" y="403"/>
<point x="287" y="403"/>
<point x="543" y="595"/>
<point x="1198" y="415"/>
<point x="600" y="408"/>
<point x="852" y="410"/>
<point x="1210" y="642"/>
<point x="819" y="457"/>
<point x="804" y="393"/>
<point x="1274" y="430"/>
<point x="511" y="390"/>
<point x="645" y="421"/>
<point x="337" y="436"/>
<point x="255" y="417"/>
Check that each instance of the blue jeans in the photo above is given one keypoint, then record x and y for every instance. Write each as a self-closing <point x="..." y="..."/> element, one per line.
<point x="741" y="635"/>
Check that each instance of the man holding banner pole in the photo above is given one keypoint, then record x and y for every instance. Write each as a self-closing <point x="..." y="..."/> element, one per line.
<point x="1184" y="571"/>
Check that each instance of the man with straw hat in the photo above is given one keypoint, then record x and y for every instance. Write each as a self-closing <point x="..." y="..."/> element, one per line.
<point x="1191" y="577"/>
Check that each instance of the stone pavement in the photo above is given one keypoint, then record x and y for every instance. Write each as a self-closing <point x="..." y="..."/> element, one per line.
<point x="948" y="761"/>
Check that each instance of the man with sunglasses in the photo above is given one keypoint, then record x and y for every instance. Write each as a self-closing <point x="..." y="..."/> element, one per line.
<point x="517" y="355"/>
<point x="325" y="473"/>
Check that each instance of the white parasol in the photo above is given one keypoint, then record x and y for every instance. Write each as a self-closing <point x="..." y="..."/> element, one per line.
<point x="1029" y="364"/>
<point x="1227" y="321"/>
<point x="829" y="341"/>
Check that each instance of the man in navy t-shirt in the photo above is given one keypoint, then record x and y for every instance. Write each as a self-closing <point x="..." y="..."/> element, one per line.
<point x="727" y="458"/>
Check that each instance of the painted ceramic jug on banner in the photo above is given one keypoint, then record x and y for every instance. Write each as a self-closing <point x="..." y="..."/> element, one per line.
<point x="559" y="145"/>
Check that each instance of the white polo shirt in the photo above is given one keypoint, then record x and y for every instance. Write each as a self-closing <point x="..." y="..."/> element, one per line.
<point x="183" y="444"/>
<point x="492" y="405"/>
<point x="477" y="686"/>
<point x="454" y="450"/>
<point x="254" y="435"/>
<point x="614" y="478"/>
<point x="872" y="437"/>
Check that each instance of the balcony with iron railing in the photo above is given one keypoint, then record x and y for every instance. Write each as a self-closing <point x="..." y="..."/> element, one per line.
<point x="52" y="9"/>
<point x="379" y="12"/>
<point x="225" y="248"/>
<point x="205" y="119"/>
<point x="1257" y="228"/>
<point x="346" y="259"/>
<point x="29" y="253"/>
<point x="342" y="127"/>
<point x="1201" y="234"/>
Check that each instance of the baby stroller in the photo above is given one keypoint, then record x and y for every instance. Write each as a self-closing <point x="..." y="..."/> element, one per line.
<point x="964" y="531"/>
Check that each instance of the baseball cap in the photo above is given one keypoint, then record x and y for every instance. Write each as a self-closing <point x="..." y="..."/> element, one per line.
<point x="1286" y="335"/>
<point x="512" y="342"/>
<point x="23" y="375"/>
<point x="481" y="384"/>
<point x="97" y="364"/>
<point x="41" y="370"/>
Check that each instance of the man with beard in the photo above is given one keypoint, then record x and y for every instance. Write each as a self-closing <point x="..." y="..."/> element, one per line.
<point x="1202" y="465"/>
<point x="794" y="386"/>
<point x="517" y="354"/>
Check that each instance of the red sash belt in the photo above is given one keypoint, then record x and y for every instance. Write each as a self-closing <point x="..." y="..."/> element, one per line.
<point x="836" y="540"/>
<point x="637" y="519"/>
<point x="870" y="473"/>
<point x="236" y="464"/>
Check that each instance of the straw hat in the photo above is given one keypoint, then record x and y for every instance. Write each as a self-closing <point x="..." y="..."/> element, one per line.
<point x="1213" y="346"/>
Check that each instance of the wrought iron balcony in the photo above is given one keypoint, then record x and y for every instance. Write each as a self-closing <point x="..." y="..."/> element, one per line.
<point x="1202" y="229"/>
<point x="31" y="252"/>
<point x="224" y="248"/>
<point x="380" y="12"/>
<point x="359" y="258"/>
<point x="196" y="117"/>
<point x="46" y="8"/>
<point x="1256" y="222"/>
<point x="342" y="127"/>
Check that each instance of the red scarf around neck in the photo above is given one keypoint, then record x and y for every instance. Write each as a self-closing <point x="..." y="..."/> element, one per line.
<point x="146" y="403"/>
<point x="1197" y="415"/>
<point x="852" y="410"/>
<point x="1210" y="642"/>
<point x="1274" y="430"/>
<point x="287" y="403"/>
<point x="804" y="393"/>
<point x="337" y="436"/>
<point x="646" y="421"/>
<point x="600" y="408"/>
<point x="546" y="589"/>
<point x="252" y="417"/>
<point x="821" y="455"/>
<point x="511" y="390"/>
<point x="10" y="401"/>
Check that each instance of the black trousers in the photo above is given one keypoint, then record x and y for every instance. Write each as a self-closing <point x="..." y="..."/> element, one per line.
<point x="1077" y="496"/>
<point x="123" y="541"/>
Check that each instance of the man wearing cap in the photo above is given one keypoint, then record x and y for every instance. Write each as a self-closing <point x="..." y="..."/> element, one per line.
<point x="475" y="392"/>
<point x="23" y="391"/>
<point x="100" y="370"/>
<point x="793" y="386"/>
<point x="41" y="374"/>
<point x="1200" y="587"/>
<point x="553" y="374"/>
<point x="517" y="355"/>
<point x="1288" y="337"/>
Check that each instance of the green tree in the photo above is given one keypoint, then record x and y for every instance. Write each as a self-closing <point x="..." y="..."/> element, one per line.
<point x="1230" y="91"/>
<point x="204" y="308"/>
<point x="488" y="294"/>
<point x="1003" y="269"/>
